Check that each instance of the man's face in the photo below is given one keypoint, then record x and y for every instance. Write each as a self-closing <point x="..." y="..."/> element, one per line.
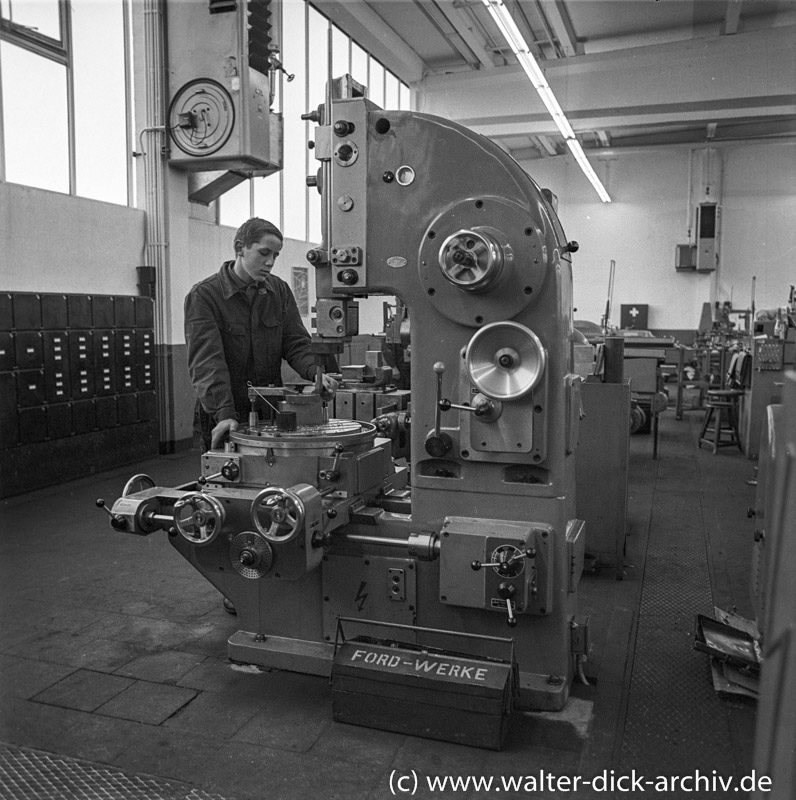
<point x="258" y="260"/>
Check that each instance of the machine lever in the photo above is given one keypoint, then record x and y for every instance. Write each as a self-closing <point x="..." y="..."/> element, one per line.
<point x="439" y="368"/>
<point x="206" y="478"/>
<point x="333" y="473"/>
<point x="118" y="522"/>
<point x="512" y="620"/>
<point x="507" y="591"/>
<point x="437" y="442"/>
<point x="446" y="405"/>
<point x="485" y="408"/>
<point x="528" y="553"/>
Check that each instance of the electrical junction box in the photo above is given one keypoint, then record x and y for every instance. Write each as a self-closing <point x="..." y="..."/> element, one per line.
<point x="219" y="115"/>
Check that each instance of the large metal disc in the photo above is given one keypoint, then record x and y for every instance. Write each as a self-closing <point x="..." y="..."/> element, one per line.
<point x="505" y="360"/>
<point x="306" y="440"/>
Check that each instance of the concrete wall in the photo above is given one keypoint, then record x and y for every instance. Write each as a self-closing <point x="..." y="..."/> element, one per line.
<point x="50" y="242"/>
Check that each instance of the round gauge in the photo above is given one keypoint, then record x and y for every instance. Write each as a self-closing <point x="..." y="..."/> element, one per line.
<point x="201" y="117"/>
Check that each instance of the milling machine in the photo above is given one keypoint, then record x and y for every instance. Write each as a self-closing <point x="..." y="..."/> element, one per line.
<point x="336" y="559"/>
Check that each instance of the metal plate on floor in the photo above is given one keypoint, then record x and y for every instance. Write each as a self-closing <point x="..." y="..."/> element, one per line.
<point x="27" y="774"/>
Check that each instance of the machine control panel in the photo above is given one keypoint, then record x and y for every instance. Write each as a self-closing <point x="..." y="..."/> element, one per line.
<point x="498" y="565"/>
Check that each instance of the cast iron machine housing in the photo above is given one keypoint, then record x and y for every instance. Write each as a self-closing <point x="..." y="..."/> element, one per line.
<point x="303" y="521"/>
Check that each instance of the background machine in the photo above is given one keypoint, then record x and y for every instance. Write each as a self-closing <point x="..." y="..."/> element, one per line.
<point x="456" y="575"/>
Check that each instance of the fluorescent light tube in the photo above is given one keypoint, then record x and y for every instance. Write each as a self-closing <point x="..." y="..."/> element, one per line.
<point x="516" y="41"/>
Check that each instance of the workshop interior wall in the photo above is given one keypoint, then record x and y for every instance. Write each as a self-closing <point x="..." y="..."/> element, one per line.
<point x="51" y="242"/>
<point x="56" y="243"/>
<point x="647" y="218"/>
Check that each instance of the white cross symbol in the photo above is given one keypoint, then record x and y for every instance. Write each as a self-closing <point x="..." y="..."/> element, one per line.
<point x="634" y="312"/>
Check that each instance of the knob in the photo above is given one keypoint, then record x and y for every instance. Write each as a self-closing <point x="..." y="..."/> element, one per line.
<point x="311" y="181"/>
<point x="570" y="247"/>
<point x="230" y="470"/>
<point x="751" y="512"/>
<point x="343" y="128"/>
<point x="348" y="277"/>
<point x="312" y="116"/>
<point x="437" y="444"/>
<point x="317" y="256"/>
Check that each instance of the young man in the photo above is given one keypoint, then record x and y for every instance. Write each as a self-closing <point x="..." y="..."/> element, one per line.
<point x="239" y="325"/>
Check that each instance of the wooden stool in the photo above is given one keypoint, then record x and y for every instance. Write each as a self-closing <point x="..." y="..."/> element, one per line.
<point x="721" y="408"/>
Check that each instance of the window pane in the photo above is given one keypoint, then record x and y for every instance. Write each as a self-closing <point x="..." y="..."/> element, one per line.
<point x="376" y="87"/>
<point x="100" y="115"/>
<point x="36" y="154"/>
<point x="267" y="200"/>
<point x="234" y="206"/>
<point x="340" y="55"/>
<point x="404" y="96"/>
<point x="294" y="104"/>
<point x="391" y="92"/>
<point x="359" y="64"/>
<point x="42" y="16"/>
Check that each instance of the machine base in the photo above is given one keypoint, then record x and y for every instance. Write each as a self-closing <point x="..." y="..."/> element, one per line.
<point x="277" y="652"/>
<point x="537" y="692"/>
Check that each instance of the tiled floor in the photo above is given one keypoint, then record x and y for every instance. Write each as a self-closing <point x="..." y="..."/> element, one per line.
<point x="113" y="655"/>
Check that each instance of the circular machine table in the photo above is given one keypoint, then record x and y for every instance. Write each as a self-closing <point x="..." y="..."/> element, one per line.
<point x="307" y="440"/>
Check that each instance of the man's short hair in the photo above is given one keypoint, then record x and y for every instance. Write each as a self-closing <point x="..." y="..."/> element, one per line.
<point x="253" y="230"/>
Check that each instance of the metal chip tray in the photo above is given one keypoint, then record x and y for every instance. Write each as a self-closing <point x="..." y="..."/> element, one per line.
<point x="729" y="644"/>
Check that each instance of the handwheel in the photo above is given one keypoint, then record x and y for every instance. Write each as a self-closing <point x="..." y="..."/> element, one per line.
<point x="198" y="517"/>
<point x="137" y="484"/>
<point x="278" y="514"/>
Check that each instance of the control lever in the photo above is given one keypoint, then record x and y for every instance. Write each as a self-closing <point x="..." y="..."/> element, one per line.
<point x="504" y="564"/>
<point x="438" y="442"/>
<point x="485" y="408"/>
<point x="333" y="473"/>
<point x="118" y="522"/>
<point x="507" y="591"/>
<point x="230" y="471"/>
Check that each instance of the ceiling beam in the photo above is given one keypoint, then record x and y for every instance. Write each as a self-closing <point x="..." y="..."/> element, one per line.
<point x="547" y="146"/>
<point x="359" y="21"/>
<point x="465" y="27"/>
<point x="448" y="32"/>
<point x="720" y="79"/>
<point x="559" y="20"/>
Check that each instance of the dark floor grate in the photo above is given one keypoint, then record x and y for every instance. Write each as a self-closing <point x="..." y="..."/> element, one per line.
<point x="31" y="775"/>
<point x="675" y="723"/>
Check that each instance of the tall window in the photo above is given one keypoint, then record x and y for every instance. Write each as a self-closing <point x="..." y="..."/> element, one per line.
<point x="305" y="54"/>
<point x="63" y="96"/>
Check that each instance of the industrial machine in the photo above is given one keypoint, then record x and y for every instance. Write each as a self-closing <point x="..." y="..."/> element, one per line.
<point x="451" y="580"/>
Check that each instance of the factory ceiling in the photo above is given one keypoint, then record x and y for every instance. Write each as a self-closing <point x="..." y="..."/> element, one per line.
<point x="627" y="73"/>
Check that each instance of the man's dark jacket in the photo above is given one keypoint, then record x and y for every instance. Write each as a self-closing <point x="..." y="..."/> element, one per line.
<point x="236" y="336"/>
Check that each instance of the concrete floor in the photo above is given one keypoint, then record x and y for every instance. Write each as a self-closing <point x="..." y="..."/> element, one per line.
<point x="113" y="658"/>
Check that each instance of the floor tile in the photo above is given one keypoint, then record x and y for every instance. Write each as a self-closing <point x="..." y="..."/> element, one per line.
<point x="167" y="666"/>
<point x="151" y="703"/>
<point x="213" y="714"/>
<point x="83" y="690"/>
<point x="25" y="678"/>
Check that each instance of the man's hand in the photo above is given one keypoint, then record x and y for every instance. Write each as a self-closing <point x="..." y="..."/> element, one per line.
<point x="329" y="386"/>
<point x="221" y="431"/>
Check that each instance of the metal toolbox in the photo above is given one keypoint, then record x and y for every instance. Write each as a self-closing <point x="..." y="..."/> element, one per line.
<point x="455" y="693"/>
